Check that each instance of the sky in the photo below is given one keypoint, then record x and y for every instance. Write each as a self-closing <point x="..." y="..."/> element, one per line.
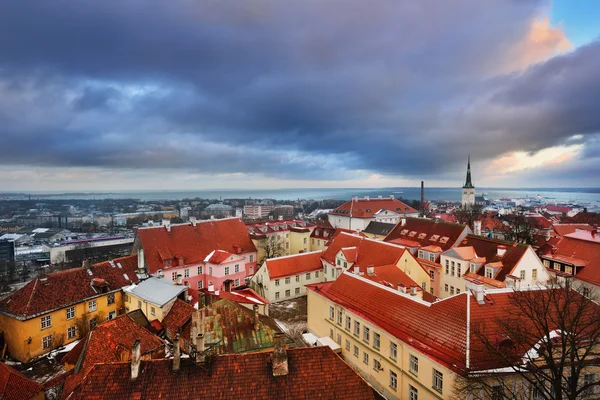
<point x="155" y="95"/>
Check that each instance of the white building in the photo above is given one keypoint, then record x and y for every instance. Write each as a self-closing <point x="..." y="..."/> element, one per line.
<point x="357" y="213"/>
<point x="468" y="190"/>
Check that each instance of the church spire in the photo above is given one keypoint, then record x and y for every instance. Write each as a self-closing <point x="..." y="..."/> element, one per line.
<point x="468" y="183"/>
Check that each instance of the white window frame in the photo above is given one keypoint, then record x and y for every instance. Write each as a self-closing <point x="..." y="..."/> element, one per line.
<point x="46" y="322"/>
<point x="413" y="364"/>
<point x="92" y="305"/>
<point x="71" y="313"/>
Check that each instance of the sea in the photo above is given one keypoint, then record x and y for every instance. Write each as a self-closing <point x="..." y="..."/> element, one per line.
<point x="581" y="196"/>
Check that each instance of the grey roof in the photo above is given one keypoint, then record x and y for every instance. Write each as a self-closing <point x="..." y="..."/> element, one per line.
<point x="379" y="228"/>
<point x="219" y="207"/>
<point x="158" y="291"/>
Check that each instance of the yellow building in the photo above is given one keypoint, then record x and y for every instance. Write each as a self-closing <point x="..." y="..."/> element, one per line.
<point x="154" y="297"/>
<point x="280" y="238"/>
<point x="52" y="310"/>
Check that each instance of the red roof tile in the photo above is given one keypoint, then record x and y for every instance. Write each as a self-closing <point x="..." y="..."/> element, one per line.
<point x="363" y="208"/>
<point x="193" y="243"/>
<point x="179" y="315"/>
<point x="243" y="376"/>
<point x="368" y="251"/>
<point x="565" y="229"/>
<point x="294" y="264"/>
<point x="426" y="230"/>
<point x="16" y="386"/>
<point x="390" y="276"/>
<point x="218" y="257"/>
<point x="584" y="250"/>
<point x="70" y="286"/>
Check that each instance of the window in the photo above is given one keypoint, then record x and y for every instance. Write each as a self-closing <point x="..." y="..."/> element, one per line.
<point x="431" y="274"/>
<point x="586" y="292"/>
<point x="568" y="270"/>
<point x="376" y="340"/>
<point x="308" y="276"/>
<point x="318" y="242"/>
<point x="210" y="271"/>
<point x="451" y="290"/>
<point x="413" y="393"/>
<point x="339" y="339"/>
<point x="366" y="334"/>
<point x="226" y="270"/>
<point x="93" y="323"/>
<point x="413" y="364"/>
<point x="424" y="286"/>
<point x="288" y="293"/>
<point x="421" y="254"/>
<point x="522" y="275"/>
<point x="447" y="266"/>
<point x="534" y="274"/>
<point x="366" y="358"/>
<point x="186" y="273"/>
<point x="237" y="282"/>
<point x="489" y="273"/>
<point x="174" y="276"/>
<point x="356" y="328"/>
<point x="339" y="318"/>
<point x="355" y="351"/>
<point x="393" y="351"/>
<point x="452" y="270"/>
<point x="47" y="342"/>
<point x="276" y="282"/>
<point x="276" y="295"/>
<point x="200" y="284"/>
<point x="152" y="311"/>
<point x="316" y="274"/>
<point x="287" y="280"/>
<point x="457" y="291"/>
<point x="331" y="313"/>
<point x="297" y="278"/>
<point x="251" y="258"/>
<point x="70" y="312"/>
<point x="339" y="262"/>
<point x="92" y="306"/>
<point x="331" y="333"/>
<point x="110" y="299"/>
<point x="112" y="315"/>
<point x="333" y="272"/>
<point x="236" y="268"/>
<point x="546" y="263"/>
<point x="71" y="332"/>
<point x="313" y="241"/>
<point x="139" y="304"/>
<point x="438" y="380"/>
<point x="446" y="287"/>
<point x="345" y="264"/>
<point x="376" y="365"/>
<point x="200" y="270"/>
<point x="347" y="345"/>
<point x="393" y="380"/>
<point x="348" y="323"/>
<point x="46" y="321"/>
<point x="297" y="290"/>
<point x="557" y="266"/>
<point x="251" y="270"/>
<point x="304" y="240"/>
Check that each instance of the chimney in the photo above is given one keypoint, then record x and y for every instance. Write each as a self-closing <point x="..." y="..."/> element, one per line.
<point x="366" y="197"/>
<point x="392" y="196"/>
<point x="476" y="287"/>
<point x="501" y="250"/>
<point x="176" y="353"/>
<point x="354" y="198"/>
<point x="477" y="228"/>
<point x="141" y="260"/>
<point x="200" y="356"/>
<point x="167" y="224"/>
<point x="356" y="270"/>
<point x="548" y="234"/>
<point x="380" y="197"/>
<point x="256" y="317"/>
<point x="280" y="360"/>
<point x="179" y="279"/>
<point x="403" y="221"/>
<point x="401" y="288"/>
<point x="193" y="221"/>
<point x="86" y="264"/>
<point x="280" y="218"/>
<point x="136" y="356"/>
<point x="413" y="290"/>
<point x="370" y="269"/>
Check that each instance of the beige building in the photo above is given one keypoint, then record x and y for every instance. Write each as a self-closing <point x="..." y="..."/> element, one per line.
<point x="154" y="296"/>
<point x="280" y="238"/>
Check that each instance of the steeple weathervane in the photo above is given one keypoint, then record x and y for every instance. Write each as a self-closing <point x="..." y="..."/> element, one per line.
<point x="468" y="183"/>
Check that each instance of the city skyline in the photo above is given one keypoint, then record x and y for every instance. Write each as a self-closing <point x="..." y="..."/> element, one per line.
<point x="110" y="96"/>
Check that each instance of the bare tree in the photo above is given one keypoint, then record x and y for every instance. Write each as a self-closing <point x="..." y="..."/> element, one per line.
<point x="548" y="349"/>
<point x="272" y="246"/>
<point x="468" y="215"/>
<point x="87" y="322"/>
<point x="517" y="227"/>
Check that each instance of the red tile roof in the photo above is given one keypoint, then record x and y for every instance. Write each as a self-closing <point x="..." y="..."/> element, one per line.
<point x="565" y="229"/>
<point x="218" y="257"/>
<point x="314" y="372"/>
<point x="193" y="243"/>
<point x="70" y="286"/>
<point x="179" y="315"/>
<point x="294" y="264"/>
<point x="363" y="208"/>
<point x="583" y="250"/>
<point x="488" y="249"/>
<point x="390" y="276"/>
<point x="259" y="229"/>
<point x="16" y="386"/>
<point x="368" y="251"/>
<point x="560" y="209"/>
<point x="109" y="341"/>
<point x="427" y="232"/>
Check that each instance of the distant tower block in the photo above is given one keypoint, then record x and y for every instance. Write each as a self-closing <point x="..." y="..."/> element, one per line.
<point x="468" y="190"/>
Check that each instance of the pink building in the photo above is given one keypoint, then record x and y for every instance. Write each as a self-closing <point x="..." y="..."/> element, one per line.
<point x="199" y="252"/>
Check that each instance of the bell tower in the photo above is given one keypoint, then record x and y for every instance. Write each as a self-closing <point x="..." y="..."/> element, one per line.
<point x="468" y="190"/>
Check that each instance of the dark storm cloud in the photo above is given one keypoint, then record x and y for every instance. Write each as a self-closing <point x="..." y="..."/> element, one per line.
<point x="402" y="88"/>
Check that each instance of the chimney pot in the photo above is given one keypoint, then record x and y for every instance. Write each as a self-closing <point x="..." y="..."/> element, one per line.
<point x="176" y="353"/>
<point x="280" y="360"/>
<point x="193" y="221"/>
<point x="179" y="279"/>
<point x="401" y="288"/>
<point x="356" y="270"/>
<point x="200" y="356"/>
<point x="136" y="356"/>
<point x="413" y="290"/>
<point x="403" y="221"/>
<point x="370" y="270"/>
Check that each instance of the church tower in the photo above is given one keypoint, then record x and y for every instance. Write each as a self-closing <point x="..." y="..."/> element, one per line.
<point x="468" y="190"/>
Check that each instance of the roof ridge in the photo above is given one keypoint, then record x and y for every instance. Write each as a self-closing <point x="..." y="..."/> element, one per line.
<point x="31" y="295"/>
<point x="380" y="286"/>
<point x="293" y="255"/>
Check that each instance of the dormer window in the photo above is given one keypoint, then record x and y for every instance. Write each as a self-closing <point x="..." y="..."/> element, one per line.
<point x="421" y="254"/>
<point x="404" y="231"/>
<point x="167" y="262"/>
<point x="412" y="233"/>
<point x="489" y="272"/>
<point x="434" y="238"/>
<point x="444" y="239"/>
<point x="422" y="235"/>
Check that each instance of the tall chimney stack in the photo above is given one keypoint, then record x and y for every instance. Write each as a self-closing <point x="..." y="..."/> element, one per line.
<point x="280" y="360"/>
<point x="422" y="198"/>
<point x="200" y="357"/>
<point x="176" y="353"/>
<point x="136" y="356"/>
